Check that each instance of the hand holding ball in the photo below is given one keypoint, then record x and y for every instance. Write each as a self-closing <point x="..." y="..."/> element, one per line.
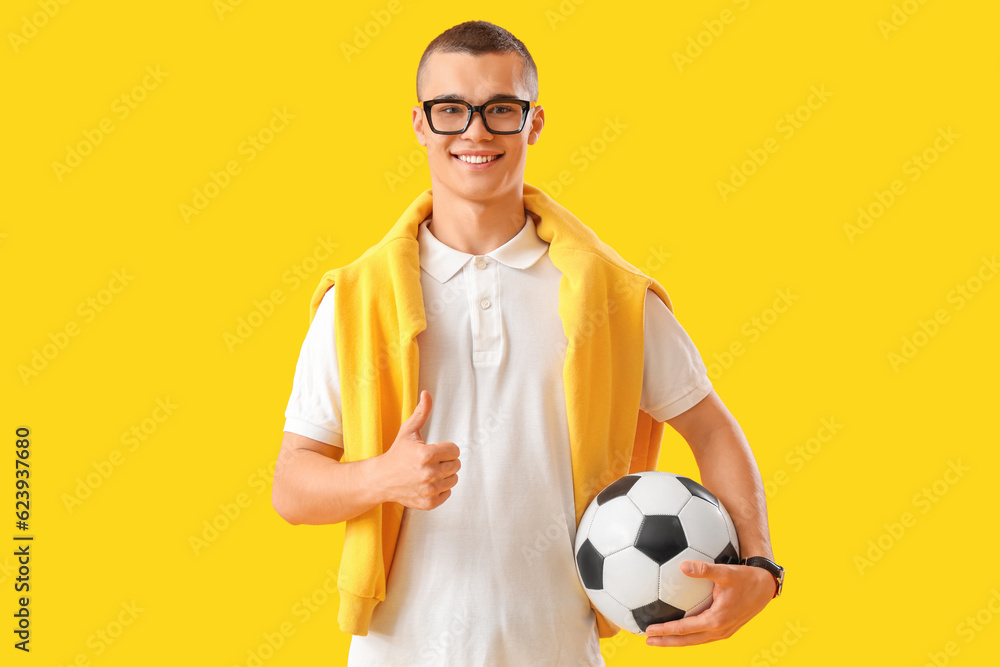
<point x="633" y="538"/>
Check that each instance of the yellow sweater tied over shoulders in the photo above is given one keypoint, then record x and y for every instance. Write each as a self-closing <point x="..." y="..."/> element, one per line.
<point x="378" y="313"/>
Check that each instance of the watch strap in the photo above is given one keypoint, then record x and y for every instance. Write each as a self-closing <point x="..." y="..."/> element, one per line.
<point x="776" y="570"/>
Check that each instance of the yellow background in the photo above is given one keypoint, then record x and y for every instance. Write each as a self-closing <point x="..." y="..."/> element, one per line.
<point x="652" y="193"/>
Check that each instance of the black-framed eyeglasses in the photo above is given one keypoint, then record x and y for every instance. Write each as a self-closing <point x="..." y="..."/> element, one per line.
<point x="504" y="116"/>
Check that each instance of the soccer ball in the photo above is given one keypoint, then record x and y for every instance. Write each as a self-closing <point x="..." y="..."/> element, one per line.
<point x="632" y="540"/>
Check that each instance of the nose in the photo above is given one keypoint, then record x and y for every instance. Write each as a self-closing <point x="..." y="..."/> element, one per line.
<point x="477" y="128"/>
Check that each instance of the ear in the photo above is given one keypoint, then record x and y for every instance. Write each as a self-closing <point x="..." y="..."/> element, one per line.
<point x="537" y="122"/>
<point x="419" y="128"/>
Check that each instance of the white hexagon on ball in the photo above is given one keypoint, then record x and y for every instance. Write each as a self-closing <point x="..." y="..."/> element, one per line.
<point x="659" y="494"/>
<point x="615" y="525"/>
<point x="631" y="578"/>
<point x="704" y="527"/>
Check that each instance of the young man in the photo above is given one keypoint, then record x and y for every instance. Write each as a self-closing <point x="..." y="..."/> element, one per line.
<point x="533" y="345"/>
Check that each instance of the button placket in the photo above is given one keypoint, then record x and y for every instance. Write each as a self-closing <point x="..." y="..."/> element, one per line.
<point x="487" y="343"/>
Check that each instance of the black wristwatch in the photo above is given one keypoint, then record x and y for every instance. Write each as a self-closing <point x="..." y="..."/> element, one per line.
<point x="770" y="566"/>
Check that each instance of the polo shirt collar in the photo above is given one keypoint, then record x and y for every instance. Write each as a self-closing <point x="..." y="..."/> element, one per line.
<point x="442" y="261"/>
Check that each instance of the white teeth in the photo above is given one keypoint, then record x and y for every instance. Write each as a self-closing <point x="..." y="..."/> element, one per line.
<point x="477" y="159"/>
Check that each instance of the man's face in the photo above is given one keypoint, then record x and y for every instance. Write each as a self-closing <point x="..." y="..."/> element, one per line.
<point x="476" y="79"/>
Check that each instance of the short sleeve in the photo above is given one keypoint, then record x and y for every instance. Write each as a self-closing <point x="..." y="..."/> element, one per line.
<point x="674" y="377"/>
<point x="314" y="405"/>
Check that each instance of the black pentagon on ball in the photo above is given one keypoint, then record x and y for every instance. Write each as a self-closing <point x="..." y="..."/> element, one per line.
<point x="656" y="612"/>
<point x="661" y="538"/>
<point x="619" y="487"/>
<point x="591" y="564"/>
<point x="728" y="555"/>
<point x="698" y="490"/>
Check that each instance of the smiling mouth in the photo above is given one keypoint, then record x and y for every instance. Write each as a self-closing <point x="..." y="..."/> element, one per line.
<point x="479" y="159"/>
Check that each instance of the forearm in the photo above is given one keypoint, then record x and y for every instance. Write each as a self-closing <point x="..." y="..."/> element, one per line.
<point x="310" y="488"/>
<point x="729" y="470"/>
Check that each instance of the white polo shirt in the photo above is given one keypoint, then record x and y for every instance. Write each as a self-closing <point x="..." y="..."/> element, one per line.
<point x="489" y="577"/>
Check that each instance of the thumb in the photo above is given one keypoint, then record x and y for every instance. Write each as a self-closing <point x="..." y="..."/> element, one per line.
<point x="419" y="416"/>
<point x="698" y="568"/>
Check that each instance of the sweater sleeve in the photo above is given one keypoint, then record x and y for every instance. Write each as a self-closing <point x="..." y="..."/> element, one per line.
<point x="674" y="377"/>
<point x="314" y="406"/>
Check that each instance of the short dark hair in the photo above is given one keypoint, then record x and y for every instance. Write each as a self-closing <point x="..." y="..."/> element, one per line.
<point x="478" y="38"/>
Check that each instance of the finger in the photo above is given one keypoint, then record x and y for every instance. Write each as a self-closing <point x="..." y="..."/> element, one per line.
<point x="683" y="640"/>
<point x="419" y="416"/>
<point x="700" y="569"/>
<point x="447" y="451"/>
<point x="449" y="481"/>
<point x="448" y="469"/>
<point x="443" y="485"/>
<point x="702" y="622"/>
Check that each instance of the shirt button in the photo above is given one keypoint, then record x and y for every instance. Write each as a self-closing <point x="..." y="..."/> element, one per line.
<point x="480" y="263"/>
<point x="484" y="304"/>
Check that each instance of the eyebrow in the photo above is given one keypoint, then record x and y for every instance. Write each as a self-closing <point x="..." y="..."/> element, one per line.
<point x="496" y="96"/>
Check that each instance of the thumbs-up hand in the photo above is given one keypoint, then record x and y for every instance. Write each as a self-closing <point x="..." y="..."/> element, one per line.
<point x="415" y="473"/>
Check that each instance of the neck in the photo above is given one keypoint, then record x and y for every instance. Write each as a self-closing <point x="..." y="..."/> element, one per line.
<point x="476" y="226"/>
